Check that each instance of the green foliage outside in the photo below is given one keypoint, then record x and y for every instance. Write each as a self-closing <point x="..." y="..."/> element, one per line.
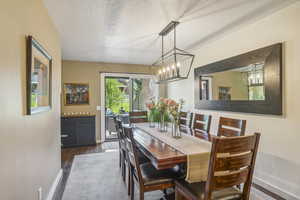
<point x="33" y="101"/>
<point x="137" y="85"/>
<point x="115" y="98"/>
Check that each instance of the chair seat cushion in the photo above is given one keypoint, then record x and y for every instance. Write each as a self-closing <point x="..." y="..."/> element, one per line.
<point x="151" y="176"/>
<point x="198" y="190"/>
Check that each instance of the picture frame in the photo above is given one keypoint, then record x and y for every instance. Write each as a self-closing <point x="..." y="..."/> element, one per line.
<point x="38" y="77"/>
<point x="76" y="94"/>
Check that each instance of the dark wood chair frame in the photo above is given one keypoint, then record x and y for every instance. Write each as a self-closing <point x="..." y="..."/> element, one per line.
<point x="240" y="163"/>
<point x="185" y="122"/>
<point x="123" y="159"/>
<point x="135" y="172"/>
<point x="201" y="126"/>
<point x="231" y="127"/>
<point x="138" y="116"/>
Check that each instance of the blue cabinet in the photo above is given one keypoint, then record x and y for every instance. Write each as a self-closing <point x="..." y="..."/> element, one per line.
<point x="78" y="131"/>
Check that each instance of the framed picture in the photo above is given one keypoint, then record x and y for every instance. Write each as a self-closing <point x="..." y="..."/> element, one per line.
<point x="76" y="94"/>
<point x="224" y="93"/>
<point x="38" y="78"/>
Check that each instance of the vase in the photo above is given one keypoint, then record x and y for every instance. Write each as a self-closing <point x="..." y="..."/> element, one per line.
<point x="163" y="127"/>
<point x="176" y="133"/>
<point x="151" y="120"/>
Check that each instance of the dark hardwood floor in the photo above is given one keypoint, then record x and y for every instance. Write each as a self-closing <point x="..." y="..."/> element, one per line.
<point x="67" y="156"/>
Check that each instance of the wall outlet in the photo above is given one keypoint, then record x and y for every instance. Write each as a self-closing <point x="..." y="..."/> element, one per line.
<point x="40" y="193"/>
<point x="98" y="108"/>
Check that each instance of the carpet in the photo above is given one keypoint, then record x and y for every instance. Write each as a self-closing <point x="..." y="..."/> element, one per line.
<point x="98" y="177"/>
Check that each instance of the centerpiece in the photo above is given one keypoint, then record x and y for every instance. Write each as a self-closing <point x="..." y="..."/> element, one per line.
<point x="152" y="113"/>
<point x="175" y="110"/>
<point x="162" y="107"/>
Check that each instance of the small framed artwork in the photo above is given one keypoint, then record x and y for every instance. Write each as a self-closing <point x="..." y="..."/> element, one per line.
<point x="224" y="93"/>
<point x="38" y="78"/>
<point x="76" y="94"/>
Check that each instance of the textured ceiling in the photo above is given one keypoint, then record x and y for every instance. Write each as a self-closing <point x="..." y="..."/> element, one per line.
<point x="126" y="31"/>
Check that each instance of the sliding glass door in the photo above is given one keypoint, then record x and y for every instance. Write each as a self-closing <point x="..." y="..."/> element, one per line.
<point x="122" y="94"/>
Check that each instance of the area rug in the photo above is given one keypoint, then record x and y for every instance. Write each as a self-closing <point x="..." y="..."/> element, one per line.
<point x="98" y="177"/>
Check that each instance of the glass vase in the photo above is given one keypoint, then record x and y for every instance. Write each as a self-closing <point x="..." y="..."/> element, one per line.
<point x="176" y="133"/>
<point x="151" y="120"/>
<point x="163" y="124"/>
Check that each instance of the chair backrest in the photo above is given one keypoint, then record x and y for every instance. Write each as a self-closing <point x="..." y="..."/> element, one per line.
<point x="132" y="152"/>
<point x="119" y="129"/>
<point x="185" y="120"/>
<point x="138" y="116"/>
<point x="232" y="163"/>
<point x="231" y="127"/>
<point x="201" y="126"/>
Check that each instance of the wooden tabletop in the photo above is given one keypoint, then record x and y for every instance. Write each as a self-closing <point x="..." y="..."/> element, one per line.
<point x="162" y="155"/>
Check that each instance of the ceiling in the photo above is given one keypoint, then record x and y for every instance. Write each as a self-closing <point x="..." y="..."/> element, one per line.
<point x="126" y="31"/>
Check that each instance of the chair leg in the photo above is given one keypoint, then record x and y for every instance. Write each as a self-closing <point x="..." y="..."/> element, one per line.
<point x="132" y="185"/>
<point x="178" y="196"/>
<point x="124" y="168"/>
<point x="129" y="180"/>
<point x="141" y="195"/>
<point x="120" y="158"/>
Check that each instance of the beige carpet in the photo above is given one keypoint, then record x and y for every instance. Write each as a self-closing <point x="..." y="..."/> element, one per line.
<point x="98" y="177"/>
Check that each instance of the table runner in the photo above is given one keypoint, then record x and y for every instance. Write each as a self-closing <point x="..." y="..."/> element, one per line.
<point x="197" y="151"/>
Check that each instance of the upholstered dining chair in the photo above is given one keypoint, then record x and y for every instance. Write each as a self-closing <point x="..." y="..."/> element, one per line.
<point x="185" y="122"/>
<point x="201" y="126"/>
<point x="231" y="127"/>
<point x="231" y="163"/>
<point x="145" y="175"/>
<point x="138" y="116"/>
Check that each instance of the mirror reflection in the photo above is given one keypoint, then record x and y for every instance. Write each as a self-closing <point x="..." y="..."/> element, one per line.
<point x="244" y="83"/>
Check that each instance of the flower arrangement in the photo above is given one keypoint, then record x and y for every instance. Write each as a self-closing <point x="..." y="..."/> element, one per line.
<point x="175" y="109"/>
<point x="152" y="112"/>
<point x="165" y="110"/>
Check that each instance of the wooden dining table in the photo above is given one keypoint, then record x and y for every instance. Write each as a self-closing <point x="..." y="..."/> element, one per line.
<point x="161" y="154"/>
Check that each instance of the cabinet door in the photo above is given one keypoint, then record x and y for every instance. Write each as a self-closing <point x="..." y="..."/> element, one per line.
<point x="68" y="132"/>
<point x="85" y="131"/>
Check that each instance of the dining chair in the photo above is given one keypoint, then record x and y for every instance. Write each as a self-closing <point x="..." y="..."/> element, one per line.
<point x="145" y="175"/>
<point x="185" y="122"/>
<point x="123" y="161"/>
<point x="138" y="117"/>
<point x="201" y="126"/>
<point x="231" y="163"/>
<point x="231" y="127"/>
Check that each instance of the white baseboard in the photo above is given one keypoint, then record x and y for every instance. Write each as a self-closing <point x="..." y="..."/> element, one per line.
<point x="275" y="189"/>
<point x="54" y="185"/>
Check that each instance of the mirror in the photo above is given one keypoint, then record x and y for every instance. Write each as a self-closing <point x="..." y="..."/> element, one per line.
<point x="250" y="82"/>
<point x="244" y="83"/>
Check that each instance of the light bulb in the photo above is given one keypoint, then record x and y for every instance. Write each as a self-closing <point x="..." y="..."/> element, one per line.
<point x="178" y="64"/>
<point x="159" y="71"/>
<point x="173" y="66"/>
<point x="168" y="68"/>
<point x="164" y="70"/>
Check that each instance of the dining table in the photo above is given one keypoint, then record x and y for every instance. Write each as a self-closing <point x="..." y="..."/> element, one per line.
<point x="165" y="151"/>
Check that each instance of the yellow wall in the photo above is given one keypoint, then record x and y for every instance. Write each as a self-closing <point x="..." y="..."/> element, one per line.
<point x="232" y="79"/>
<point x="29" y="145"/>
<point x="89" y="72"/>
<point x="278" y="162"/>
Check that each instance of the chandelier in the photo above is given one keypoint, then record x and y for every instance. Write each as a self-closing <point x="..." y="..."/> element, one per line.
<point x="174" y="64"/>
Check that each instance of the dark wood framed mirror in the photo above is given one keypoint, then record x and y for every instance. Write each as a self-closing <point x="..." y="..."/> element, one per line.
<point x="250" y="83"/>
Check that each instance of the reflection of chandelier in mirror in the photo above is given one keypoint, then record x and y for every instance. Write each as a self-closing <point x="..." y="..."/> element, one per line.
<point x="176" y="63"/>
<point x="256" y="75"/>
